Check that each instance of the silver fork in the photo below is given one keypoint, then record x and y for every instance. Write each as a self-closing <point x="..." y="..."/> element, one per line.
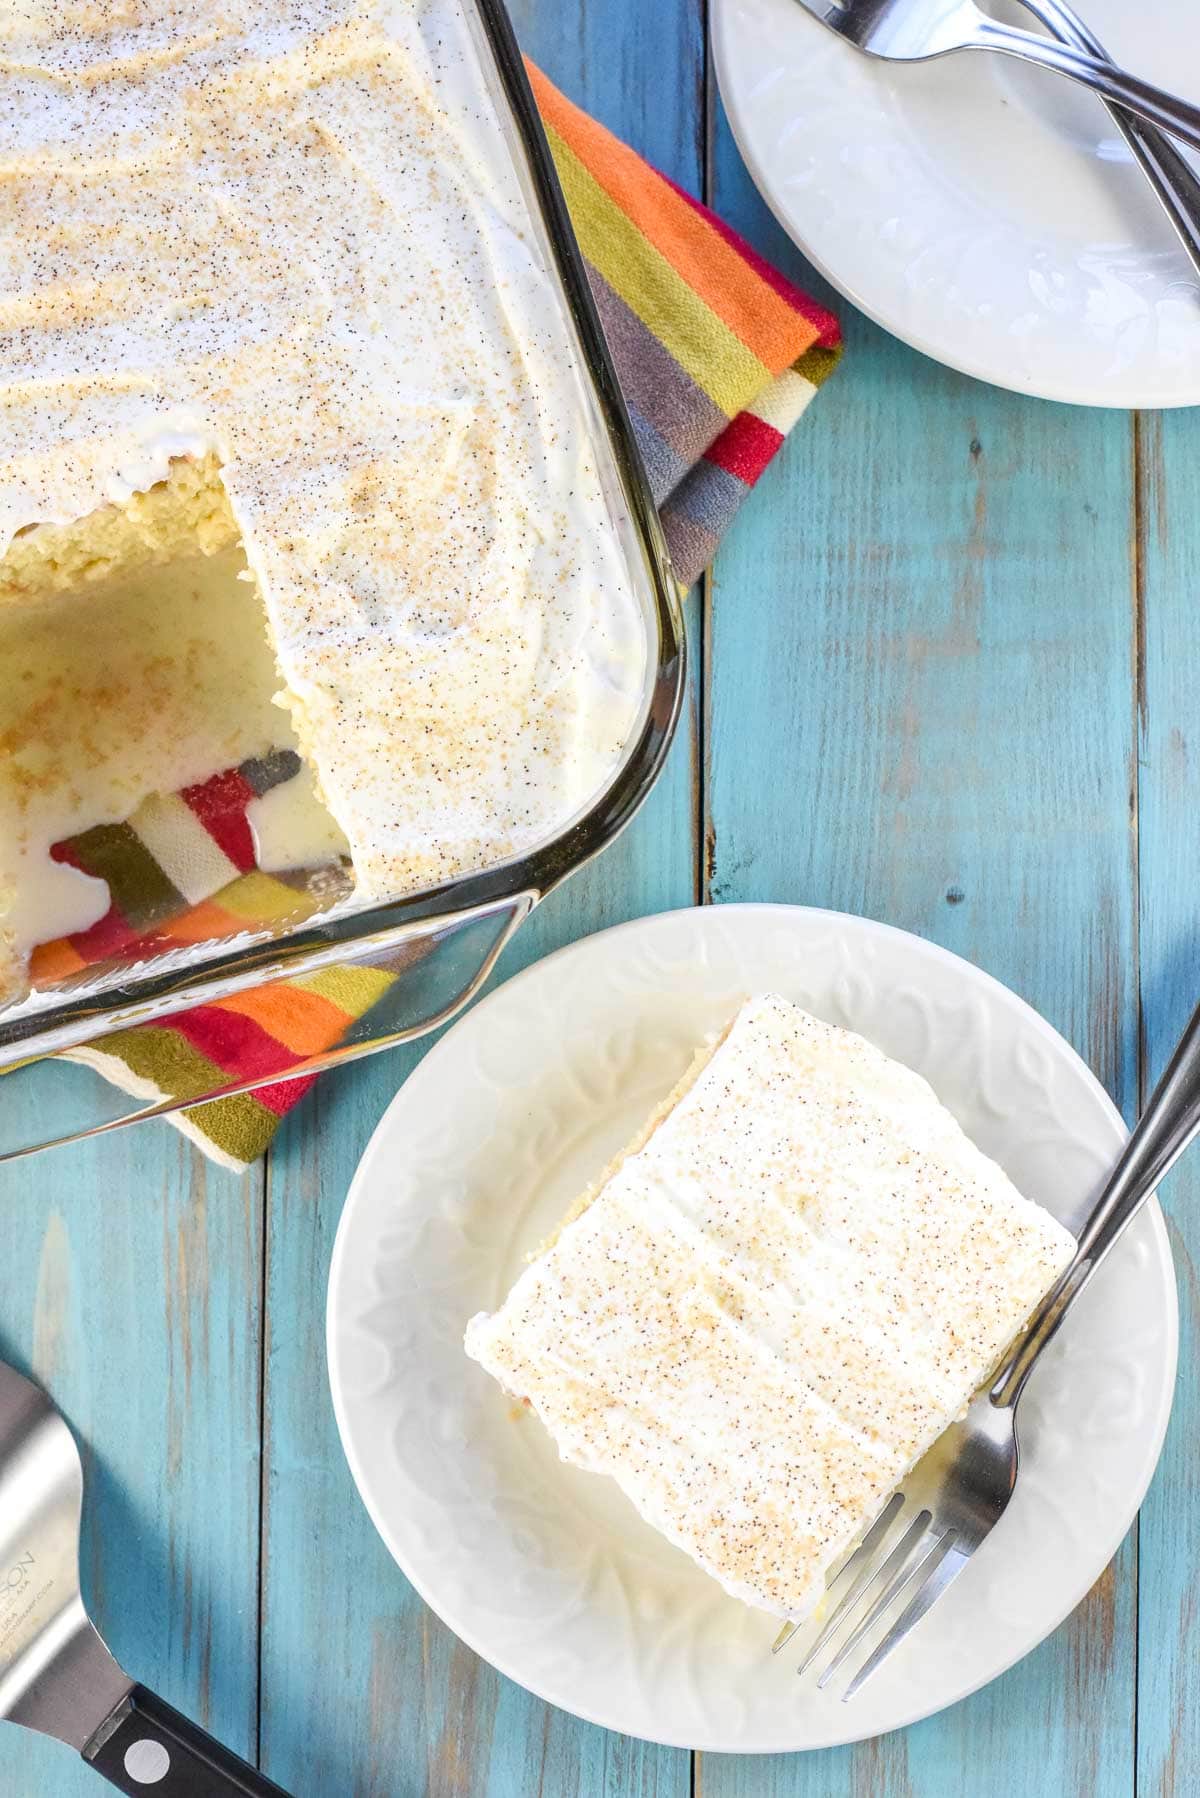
<point x="914" y="30"/>
<point x="957" y="1493"/>
<point x="1175" y="183"/>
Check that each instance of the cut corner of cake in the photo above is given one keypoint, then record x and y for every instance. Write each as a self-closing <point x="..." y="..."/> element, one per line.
<point x="771" y="1305"/>
<point x="185" y="510"/>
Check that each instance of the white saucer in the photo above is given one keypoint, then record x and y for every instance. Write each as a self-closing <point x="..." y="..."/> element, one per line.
<point x="988" y="213"/>
<point x="548" y="1572"/>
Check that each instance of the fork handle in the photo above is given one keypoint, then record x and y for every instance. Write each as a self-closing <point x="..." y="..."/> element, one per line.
<point x="1175" y="183"/>
<point x="1169" y="1123"/>
<point x="1161" y="108"/>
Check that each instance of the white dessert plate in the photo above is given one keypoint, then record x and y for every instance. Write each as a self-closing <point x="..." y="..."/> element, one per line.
<point x="987" y="212"/>
<point x="549" y="1572"/>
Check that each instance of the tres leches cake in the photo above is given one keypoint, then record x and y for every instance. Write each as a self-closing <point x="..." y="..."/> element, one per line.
<point x="775" y="1301"/>
<point x="290" y="408"/>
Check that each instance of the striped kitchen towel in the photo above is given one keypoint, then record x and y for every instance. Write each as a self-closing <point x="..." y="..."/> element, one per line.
<point x="718" y="355"/>
<point x="181" y="871"/>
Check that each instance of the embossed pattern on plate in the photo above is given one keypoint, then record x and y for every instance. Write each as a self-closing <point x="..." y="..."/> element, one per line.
<point x="547" y="1571"/>
<point x="988" y="213"/>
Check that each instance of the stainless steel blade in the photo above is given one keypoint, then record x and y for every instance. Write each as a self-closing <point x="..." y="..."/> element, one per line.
<point x="56" y="1675"/>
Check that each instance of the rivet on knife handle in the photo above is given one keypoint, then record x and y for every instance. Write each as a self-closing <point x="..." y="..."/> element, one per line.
<point x="146" y="1747"/>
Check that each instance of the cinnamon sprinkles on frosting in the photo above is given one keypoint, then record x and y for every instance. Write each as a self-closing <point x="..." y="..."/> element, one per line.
<point x="291" y="233"/>
<point x="773" y="1307"/>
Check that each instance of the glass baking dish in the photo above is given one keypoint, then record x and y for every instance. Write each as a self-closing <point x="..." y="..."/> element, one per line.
<point x="432" y="950"/>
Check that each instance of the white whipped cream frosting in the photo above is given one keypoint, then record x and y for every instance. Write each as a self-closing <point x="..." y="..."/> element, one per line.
<point x="772" y="1309"/>
<point x="293" y="232"/>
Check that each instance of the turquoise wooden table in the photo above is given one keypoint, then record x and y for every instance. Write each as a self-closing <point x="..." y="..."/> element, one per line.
<point x="947" y="673"/>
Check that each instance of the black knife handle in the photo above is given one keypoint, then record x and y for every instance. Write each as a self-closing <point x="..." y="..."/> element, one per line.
<point x="149" y="1751"/>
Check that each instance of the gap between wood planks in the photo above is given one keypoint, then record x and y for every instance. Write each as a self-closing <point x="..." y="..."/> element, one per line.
<point x="1140" y="429"/>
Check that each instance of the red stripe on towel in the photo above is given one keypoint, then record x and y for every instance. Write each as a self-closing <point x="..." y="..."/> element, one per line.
<point x="280" y="1098"/>
<point x="220" y="804"/>
<point x="113" y="933"/>
<point x="235" y="1042"/>
<point x="744" y="447"/>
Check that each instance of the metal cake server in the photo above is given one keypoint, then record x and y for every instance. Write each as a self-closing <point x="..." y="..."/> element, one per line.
<point x="56" y="1675"/>
<point x="956" y="1494"/>
<point x="914" y="30"/>
<point x="1175" y="183"/>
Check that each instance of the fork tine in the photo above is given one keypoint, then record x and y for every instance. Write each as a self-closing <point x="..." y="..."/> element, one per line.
<point x="949" y="1564"/>
<point x="892" y="1570"/>
<point x="888" y="1582"/>
<point x="835" y="1591"/>
<point x="864" y="1566"/>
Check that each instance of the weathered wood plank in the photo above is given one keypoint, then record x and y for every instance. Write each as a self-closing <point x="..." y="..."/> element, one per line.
<point x="394" y="1704"/>
<point x="920" y="708"/>
<point x="1169" y="825"/>
<point x="129" y="1285"/>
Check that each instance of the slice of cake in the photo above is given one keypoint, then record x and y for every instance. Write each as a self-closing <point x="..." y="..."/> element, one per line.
<point x="774" y="1301"/>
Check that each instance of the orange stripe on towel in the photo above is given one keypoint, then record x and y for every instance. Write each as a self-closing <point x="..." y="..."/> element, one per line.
<point x="295" y="1016"/>
<point x="54" y="961"/>
<point x="763" y="319"/>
